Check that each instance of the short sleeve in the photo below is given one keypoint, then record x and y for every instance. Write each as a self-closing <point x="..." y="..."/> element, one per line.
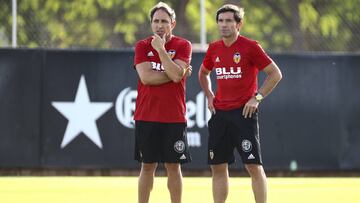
<point x="208" y="62"/>
<point x="140" y="52"/>
<point x="259" y="56"/>
<point x="185" y="53"/>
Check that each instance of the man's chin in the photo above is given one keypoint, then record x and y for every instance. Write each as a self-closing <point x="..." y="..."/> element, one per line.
<point x="161" y="34"/>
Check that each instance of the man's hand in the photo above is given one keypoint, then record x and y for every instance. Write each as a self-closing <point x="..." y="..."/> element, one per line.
<point x="250" y="107"/>
<point x="188" y="71"/>
<point x="211" y="104"/>
<point x="158" y="43"/>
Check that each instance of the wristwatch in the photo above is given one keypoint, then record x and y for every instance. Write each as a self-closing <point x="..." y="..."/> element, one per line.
<point x="259" y="97"/>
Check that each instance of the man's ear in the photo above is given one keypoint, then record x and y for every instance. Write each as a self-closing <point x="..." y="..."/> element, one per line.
<point x="240" y="24"/>
<point x="173" y="24"/>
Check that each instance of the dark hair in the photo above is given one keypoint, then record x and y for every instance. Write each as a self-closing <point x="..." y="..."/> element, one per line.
<point x="163" y="6"/>
<point x="238" y="12"/>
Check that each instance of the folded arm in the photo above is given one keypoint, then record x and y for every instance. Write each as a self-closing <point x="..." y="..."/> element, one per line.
<point x="176" y="69"/>
<point x="150" y="77"/>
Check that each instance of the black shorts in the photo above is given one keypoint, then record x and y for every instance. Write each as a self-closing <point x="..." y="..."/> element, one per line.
<point x="161" y="142"/>
<point x="229" y="130"/>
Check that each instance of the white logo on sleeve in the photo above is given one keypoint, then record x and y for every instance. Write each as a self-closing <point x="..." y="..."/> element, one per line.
<point x="150" y="53"/>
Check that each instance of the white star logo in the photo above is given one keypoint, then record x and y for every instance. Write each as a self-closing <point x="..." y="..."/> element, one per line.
<point x="82" y="115"/>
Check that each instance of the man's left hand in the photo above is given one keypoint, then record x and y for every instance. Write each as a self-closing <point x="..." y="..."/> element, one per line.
<point x="250" y="107"/>
<point x="188" y="71"/>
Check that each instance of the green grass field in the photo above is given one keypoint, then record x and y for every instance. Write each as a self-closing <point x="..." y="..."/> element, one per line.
<point x="123" y="190"/>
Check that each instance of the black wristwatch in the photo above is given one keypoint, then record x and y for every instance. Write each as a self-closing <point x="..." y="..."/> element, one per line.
<point x="259" y="97"/>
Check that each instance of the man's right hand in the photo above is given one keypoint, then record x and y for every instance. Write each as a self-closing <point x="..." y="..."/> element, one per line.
<point x="157" y="42"/>
<point x="211" y="106"/>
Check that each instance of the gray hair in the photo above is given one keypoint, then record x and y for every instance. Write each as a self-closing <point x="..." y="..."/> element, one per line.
<point x="163" y="6"/>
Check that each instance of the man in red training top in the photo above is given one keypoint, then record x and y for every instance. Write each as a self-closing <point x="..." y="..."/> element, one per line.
<point x="162" y="62"/>
<point x="236" y="61"/>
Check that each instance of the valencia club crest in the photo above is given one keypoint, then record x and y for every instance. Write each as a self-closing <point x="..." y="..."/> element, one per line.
<point x="236" y="57"/>
<point x="171" y="53"/>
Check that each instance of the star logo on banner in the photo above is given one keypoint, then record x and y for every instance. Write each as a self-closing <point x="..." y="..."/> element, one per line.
<point x="82" y="115"/>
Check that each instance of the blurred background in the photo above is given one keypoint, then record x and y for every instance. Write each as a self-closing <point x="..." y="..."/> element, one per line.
<point x="56" y="51"/>
<point x="279" y="25"/>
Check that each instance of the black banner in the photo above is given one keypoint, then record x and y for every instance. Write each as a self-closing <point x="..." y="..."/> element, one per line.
<point x="74" y="109"/>
<point x="87" y="109"/>
<point x="20" y="102"/>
